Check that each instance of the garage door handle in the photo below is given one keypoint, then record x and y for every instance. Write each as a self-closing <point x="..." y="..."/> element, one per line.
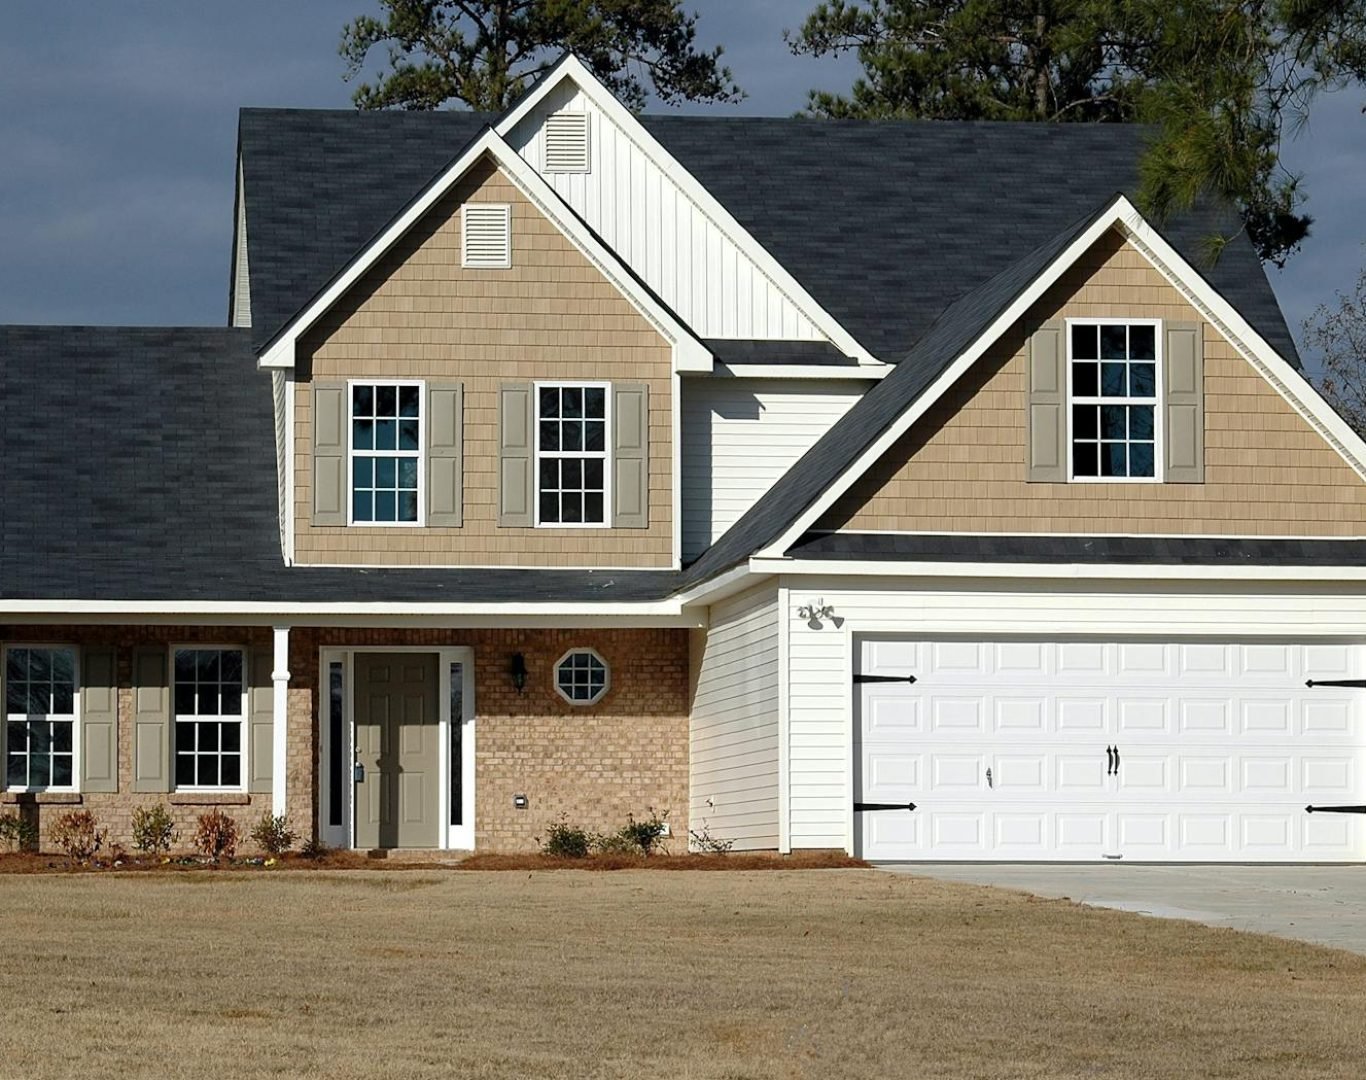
<point x="1109" y="761"/>
<point x="1116" y="760"/>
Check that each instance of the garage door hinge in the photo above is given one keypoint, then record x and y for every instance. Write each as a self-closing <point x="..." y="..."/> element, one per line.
<point x="1335" y="809"/>
<point x="1356" y="684"/>
<point x="884" y="678"/>
<point x="861" y="806"/>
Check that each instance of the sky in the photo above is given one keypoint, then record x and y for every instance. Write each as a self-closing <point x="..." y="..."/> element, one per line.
<point x="118" y="137"/>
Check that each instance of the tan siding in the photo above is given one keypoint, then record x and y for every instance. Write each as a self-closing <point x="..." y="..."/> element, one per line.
<point x="961" y="468"/>
<point x="417" y="314"/>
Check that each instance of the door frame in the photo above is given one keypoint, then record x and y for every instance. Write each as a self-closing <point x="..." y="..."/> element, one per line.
<point x="450" y="837"/>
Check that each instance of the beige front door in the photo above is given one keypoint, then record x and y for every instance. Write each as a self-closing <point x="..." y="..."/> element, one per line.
<point x="398" y="746"/>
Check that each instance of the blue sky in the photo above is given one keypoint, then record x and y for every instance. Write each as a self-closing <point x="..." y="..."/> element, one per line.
<point x="118" y="127"/>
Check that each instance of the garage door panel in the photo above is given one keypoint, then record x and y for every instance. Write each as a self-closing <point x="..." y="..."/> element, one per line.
<point x="1083" y="715"/>
<point x="1145" y="775"/>
<point x="1020" y="715"/>
<point x="1328" y="662"/>
<point x="1021" y="835"/>
<point x="1328" y="718"/>
<point x="1143" y="717"/>
<point x="1079" y="775"/>
<point x="1144" y="659"/>
<point x="1328" y="777"/>
<point x="1022" y="774"/>
<point x="1264" y="835"/>
<point x="1143" y="835"/>
<point x="1266" y="716"/>
<point x="1082" y="833"/>
<point x="1081" y="659"/>
<point x="1204" y="716"/>
<point x="1330" y="836"/>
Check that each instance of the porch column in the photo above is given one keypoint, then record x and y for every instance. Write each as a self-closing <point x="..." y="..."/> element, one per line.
<point x="279" y="678"/>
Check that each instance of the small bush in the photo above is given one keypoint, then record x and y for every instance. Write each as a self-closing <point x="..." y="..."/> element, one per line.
<point x="314" y="850"/>
<point x="617" y="843"/>
<point x="154" y="829"/>
<point x="216" y="835"/>
<point x="273" y="834"/>
<point x="704" y="842"/>
<point x="18" y="833"/>
<point x="645" y="835"/>
<point x="78" y="834"/>
<point x="566" y="841"/>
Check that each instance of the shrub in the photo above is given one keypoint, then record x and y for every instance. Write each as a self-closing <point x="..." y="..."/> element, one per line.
<point x="633" y="838"/>
<point x="707" y="844"/>
<point x="566" y="841"/>
<point x="78" y="833"/>
<point x="216" y="835"/>
<point x="154" y="829"/>
<point x="18" y="833"/>
<point x="314" y="849"/>
<point x="273" y="834"/>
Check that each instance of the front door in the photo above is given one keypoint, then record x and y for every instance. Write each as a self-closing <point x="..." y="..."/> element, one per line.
<point x="398" y="749"/>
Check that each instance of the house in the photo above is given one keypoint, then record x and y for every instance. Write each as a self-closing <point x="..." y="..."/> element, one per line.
<point x="888" y="487"/>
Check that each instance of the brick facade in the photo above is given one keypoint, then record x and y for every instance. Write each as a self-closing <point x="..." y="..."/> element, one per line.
<point x="626" y="754"/>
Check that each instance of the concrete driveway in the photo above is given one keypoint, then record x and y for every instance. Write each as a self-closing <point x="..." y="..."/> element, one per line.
<point x="1325" y="905"/>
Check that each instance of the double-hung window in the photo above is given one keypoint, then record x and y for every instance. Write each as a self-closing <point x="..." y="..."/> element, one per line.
<point x="571" y="454"/>
<point x="208" y="700"/>
<point x="1113" y="396"/>
<point x="386" y="441"/>
<point x="40" y="718"/>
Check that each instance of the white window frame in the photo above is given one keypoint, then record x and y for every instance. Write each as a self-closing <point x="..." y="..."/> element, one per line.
<point x="75" y="786"/>
<point x="605" y="454"/>
<point x="1157" y="401"/>
<point x="351" y="453"/>
<point x="243" y="718"/>
<point x="504" y="264"/>
<point x="606" y="678"/>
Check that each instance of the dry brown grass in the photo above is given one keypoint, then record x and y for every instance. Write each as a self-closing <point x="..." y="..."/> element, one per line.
<point x="718" y="976"/>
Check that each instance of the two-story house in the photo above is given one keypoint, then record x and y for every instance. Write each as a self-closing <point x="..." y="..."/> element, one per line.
<point x="777" y="474"/>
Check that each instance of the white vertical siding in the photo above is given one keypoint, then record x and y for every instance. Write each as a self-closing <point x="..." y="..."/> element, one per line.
<point x="740" y="435"/>
<point x="733" y="751"/>
<point x="660" y="233"/>
<point x="241" y="287"/>
<point x="819" y="693"/>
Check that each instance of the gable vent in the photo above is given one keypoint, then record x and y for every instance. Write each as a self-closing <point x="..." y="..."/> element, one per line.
<point x="566" y="142"/>
<point x="487" y="242"/>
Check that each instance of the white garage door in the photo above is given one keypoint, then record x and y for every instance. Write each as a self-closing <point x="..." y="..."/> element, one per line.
<point x="1087" y="750"/>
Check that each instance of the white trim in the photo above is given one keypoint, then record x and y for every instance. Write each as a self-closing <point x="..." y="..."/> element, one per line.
<point x="1124" y="216"/>
<point x="689" y="354"/>
<point x="579" y="650"/>
<point x="243" y="787"/>
<point x="393" y="455"/>
<point x="784" y="724"/>
<point x="289" y="468"/>
<point x="77" y="736"/>
<point x="866" y="372"/>
<point x="676" y="469"/>
<point x="279" y="707"/>
<point x="1071" y="571"/>
<point x="664" y="615"/>
<point x="334" y="835"/>
<point x="1088" y="535"/>
<point x="1157" y="402"/>
<point x="458" y="837"/>
<point x="733" y="581"/>
<point x="605" y="455"/>
<point x="571" y="68"/>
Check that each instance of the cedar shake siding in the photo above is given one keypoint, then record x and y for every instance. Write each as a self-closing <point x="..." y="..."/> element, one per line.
<point x="961" y="467"/>
<point x="418" y="315"/>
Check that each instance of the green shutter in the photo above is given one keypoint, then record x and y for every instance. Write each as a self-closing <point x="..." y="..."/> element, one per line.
<point x="99" y="720"/>
<point x="1046" y="410"/>
<point x="630" y="456"/>
<point x="1184" y="388"/>
<point x="445" y="437"/>
<point x="260" y="720"/>
<point x="515" y="489"/>
<point x="329" y="453"/>
<point x="151" y="719"/>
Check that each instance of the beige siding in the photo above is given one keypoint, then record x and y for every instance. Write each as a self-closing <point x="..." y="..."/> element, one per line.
<point x="734" y="726"/>
<point x="418" y="314"/>
<point x="962" y="466"/>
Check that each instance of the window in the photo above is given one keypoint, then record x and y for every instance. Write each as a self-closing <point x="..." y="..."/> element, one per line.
<point x="581" y="677"/>
<point x="40" y="718"/>
<point x="1113" y="398"/>
<point x="566" y="142"/>
<point x="386" y="441"/>
<point x="571" y="454"/>
<point x="486" y="236"/>
<point x="208" y="718"/>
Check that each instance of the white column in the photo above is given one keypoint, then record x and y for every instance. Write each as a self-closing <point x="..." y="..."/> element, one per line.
<point x="279" y="678"/>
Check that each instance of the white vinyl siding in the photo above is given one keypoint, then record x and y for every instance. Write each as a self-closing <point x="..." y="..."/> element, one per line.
<point x="734" y="724"/>
<point x="739" y="436"/>
<point x="680" y="252"/>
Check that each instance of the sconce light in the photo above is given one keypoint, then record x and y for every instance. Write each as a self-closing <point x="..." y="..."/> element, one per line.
<point x="517" y="672"/>
<point x="520" y="802"/>
<point x="815" y="613"/>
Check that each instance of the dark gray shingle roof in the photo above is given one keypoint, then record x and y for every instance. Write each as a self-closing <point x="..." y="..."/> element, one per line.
<point x="139" y="464"/>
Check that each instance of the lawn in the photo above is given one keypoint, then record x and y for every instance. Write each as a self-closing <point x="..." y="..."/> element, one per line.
<point x="434" y="973"/>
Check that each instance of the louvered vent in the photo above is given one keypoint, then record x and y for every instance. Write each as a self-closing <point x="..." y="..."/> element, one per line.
<point x="566" y="142"/>
<point x="488" y="236"/>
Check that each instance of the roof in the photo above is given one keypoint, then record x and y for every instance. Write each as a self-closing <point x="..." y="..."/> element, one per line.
<point x="146" y="471"/>
<point x="925" y="212"/>
<point x="735" y="352"/>
<point x="1084" y="550"/>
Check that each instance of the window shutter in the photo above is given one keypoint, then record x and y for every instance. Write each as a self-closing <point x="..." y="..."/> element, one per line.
<point x="445" y="436"/>
<point x="99" y="720"/>
<point x="486" y="240"/>
<point x="1046" y="414"/>
<point x="1184" y="386"/>
<point x="260" y="720"/>
<point x="566" y="142"/>
<point x="329" y="453"/>
<point x="630" y="456"/>
<point x="515" y="489"/>
<point x="151" y="720"/>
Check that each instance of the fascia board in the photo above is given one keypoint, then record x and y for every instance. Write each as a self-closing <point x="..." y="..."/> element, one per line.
<point x="1053" y="571"/>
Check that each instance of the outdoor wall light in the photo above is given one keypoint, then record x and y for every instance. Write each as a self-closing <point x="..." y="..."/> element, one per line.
<point x="517" y="672"/>
<point x="521" y="802"/>
<point x="816" y="613"/>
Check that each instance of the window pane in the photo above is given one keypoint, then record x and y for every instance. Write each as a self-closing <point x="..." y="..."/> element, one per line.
<point x="595" y="402"/>
<point x="39" y="738"/>
<point x="16" y="736"/>
<point x="1141" y="422"/>
<point x="1142" y="380"/>
<point x="206" y="700"/>
<point x="571" y="472"/>
<point x="571" y="435"/>
<point x="63" y="666"/>
<point x="571" y="401"/>
<point x="407" y="434"/>
<point x="232" y="701"/>
<point x="363" y="435"/>
<point x="362" y="401"/>
<point x="61" y="770"/>
<point x="184" y="738"/>
<point x="1112" y="459"/>
<point x="1084" y="343"/>
<point x="550" y="401"/>
<point x="231" y="774"/>
<point x="1084" y="459"/>
<point x="550" y="434"/>
<point x="592" y="473"/>
<point x="16" y="665"/>
<point x="386" y="401"/>
<point x="1084" y="421"/>
<point x="39" y="770"/>
<point x="385" y="471"/>
<point x="1112" y="422"/>
<point x="361" y="506"/>
<point x="1112" y="380"/>
<point x="550" y="508"/>
<point x="231" y="669"/>
<point x="206" y="664"/>
<point x="16" y="697"/>
<point x="63" y="700"/>
<point x="39" y="668"/>
<point x="385" y="508"/>
<point x="61" y="738"/>
<point x="595" y="436"/>
<point x="407" y="473"/>
<point x="386" y="434"/>
<point x="408" y="397"/>
<point x="39" y="699"/>
<point x="335" y="749"/>
<point x="363" y="472"/>
<point x="407" y="506"/>
<point x="208" y="737"/>
<point x="592" y="508"/>
<point x="1113" y="345"/>
<point x="206" y="775"/>
<point x="16" y="770"/>
<point x="184" y="770"/>
<point x="1142" y="343"/>
<point x="571" y="507"/>
<point x="550" y="472"/>
<point x="232" y="738"/>
<point x="1141" y="459"/>
<point x="1085" y="380"/>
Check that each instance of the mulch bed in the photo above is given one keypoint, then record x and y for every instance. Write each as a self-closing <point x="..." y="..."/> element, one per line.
<point x="760" y="860"/>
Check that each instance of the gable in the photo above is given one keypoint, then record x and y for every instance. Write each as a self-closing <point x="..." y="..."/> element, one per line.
<point x="961" y="466"/>
<point x="418" y="314"/>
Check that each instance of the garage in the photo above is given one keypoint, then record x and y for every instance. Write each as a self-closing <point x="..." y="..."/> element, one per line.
<point x="1087" y="750"/>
